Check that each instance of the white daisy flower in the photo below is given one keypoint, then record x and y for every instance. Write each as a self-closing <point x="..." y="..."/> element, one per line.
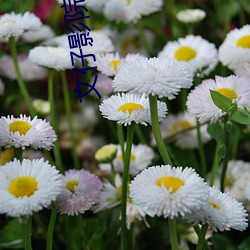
<point x="101" y="43"/>
<point x="197" y="53"/>
<point x="26" y="132"/>
<point x="221" y="212"/>
<point x="236" y="179"/>
<point x="110" y="63"/>
<point x="81" y="190"/>
<point x="110" y="195"/>
<point x="174" y="124"/>
<point x="28" y="186"/>
<point x="235" y="49"/>
<point x="29" y="71"/>
<point x="141" y="157"/>
<point x="169" y="192"/>
<point x="133" y="213"/>
<point x="42" y="34"/>
<point x="14" y="25"/>
<point x="51" y="57"/>
<point x="130" y="11"/>
<point x="156" y="76"/>
<point x="128" y="108"/>
<point x="191" y="15"/>
<point x="200" y="103"/>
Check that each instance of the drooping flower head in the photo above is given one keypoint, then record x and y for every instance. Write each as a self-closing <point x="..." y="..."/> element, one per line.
<point x="28" y="186"/>
<point x="156" y="76"/>
<point x="80" y="192"/>
<point x="14" y="25"/>
<point x="200" y="103"/>
<point x="195" y="52"/>
<point x="128" y="108"/>
<point x="26" y="132"/>
<point x="235" y="49"/>
<point x="51" y="57"/>
<point x="169" y="192"/>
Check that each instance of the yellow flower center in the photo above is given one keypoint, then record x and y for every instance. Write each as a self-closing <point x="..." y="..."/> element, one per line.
<point x="20" y="126"/>
<point x="180" y="125"/>
<point x="129" y="1"/>
<point x="214" y="205"/>
<point x="170" y="182"/>
<point x="229" y="181"/>
<point x="132" y="157"/>
<point x="114" y="64"/>
<point x="130" y="107"/>
<point x="185" y="53"/>
<point x="244" y="42"/>
<point x="70" y="185"/>
<point x="227" y="92"/>
<point x="23" y="186"/>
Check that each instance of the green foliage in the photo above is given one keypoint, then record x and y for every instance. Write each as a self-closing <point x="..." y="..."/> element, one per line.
<point x="11" y="236"/>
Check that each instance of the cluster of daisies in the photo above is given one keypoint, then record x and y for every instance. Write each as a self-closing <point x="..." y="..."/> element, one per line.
<point x="28" y="186"/>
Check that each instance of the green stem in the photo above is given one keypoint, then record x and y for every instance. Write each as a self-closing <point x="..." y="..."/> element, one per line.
<point x="173" y="235"/>
<point x="120" y="136"/>
<point x="215" y="164"/>
<point x="69" y="118"/>
<point x="226" y="158"/>
<point x="236" y="142"/>
<point x="202" y="235"/>
<point x="27" y="229"/>
<point x="203" y="169"/>
<point x="242" y="14"/>
<point x="50" y="233"/>
<point x="82" y="226"/>
<point x="156" y="130"/>
<point x="53" y="120"/>
<point x="127" y="155"/>
<point x="21" y="84"/>
<point x="205" y="244"/>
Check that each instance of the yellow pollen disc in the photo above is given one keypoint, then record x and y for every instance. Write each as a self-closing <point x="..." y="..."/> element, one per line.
<point x="214" y="205"/>
<point x="70" y="185"/>
<point x="227" y="92"/>
<point x="180" y="125"/>
<point x="170" y="182"/>
<point x="244" y="42"/>
<point x="114" y="64"/>
<point x="129" y="1"/>
<point x="23" y="186"/>
<point x="20" y="126"/>
<point x="132" y="157"/>
<point x="185" y="53"/>
<point x="130" y="107"/>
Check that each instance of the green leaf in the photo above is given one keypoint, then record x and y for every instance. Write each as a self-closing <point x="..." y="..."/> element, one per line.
<point x="11" y="236"/>
<point x="215" y="130"/>
<point x="222" y="102"/>
<point x="241" y="116"/>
